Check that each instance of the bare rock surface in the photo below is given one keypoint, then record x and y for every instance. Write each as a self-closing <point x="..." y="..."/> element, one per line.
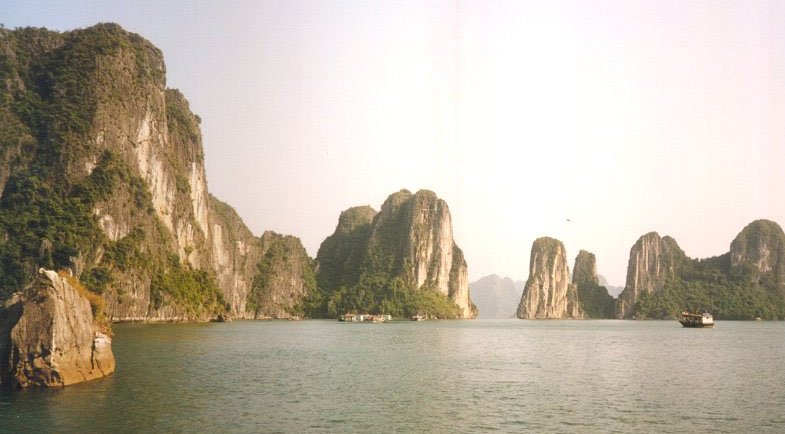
<point x="49" y="338"/>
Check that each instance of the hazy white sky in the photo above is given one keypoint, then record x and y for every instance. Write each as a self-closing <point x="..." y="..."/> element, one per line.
<point x="622" y="116"/>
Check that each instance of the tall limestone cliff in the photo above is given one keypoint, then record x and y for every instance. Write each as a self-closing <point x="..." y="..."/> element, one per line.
<point x="594" y="299"/>
<point x="761" y="245"/>
<point x="102" y="172"/>
<point x="653" y="259"/>
<point x="548" y="293"/>
<point x="409" y="241"/>
<point x="236" y="254"/>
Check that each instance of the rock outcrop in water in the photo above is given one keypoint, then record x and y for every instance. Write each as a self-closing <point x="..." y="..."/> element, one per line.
<point x="102" y="172"/>
<point x="548" y="293"/>
<point x="653" y="260"/>
<point x="410" y="241"/>
<point x="594" y="298"/>
<point x="49" y="337"/>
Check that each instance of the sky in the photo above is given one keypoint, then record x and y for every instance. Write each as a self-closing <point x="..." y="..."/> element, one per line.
<point x="593" y="122"/>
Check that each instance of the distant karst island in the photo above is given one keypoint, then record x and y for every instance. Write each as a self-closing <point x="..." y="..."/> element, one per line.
<point x="746" y="283"/>
<point x="105" y="204"/>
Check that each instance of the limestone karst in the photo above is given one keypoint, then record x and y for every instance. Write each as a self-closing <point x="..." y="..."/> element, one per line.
<point x="594" y="298"/>
<point x="761" y="244"/>
<point x="89" y="129"/>
<point x="410" y="240"/>
<point x="548" y="293"/>
<point x="652" y="260"/>
<point x="745" y="282"/>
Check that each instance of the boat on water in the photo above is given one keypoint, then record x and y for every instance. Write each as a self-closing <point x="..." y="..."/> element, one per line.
<point x="696" y="320"/>
<point x="418" y="317"/>
<point x="353" y="317"/>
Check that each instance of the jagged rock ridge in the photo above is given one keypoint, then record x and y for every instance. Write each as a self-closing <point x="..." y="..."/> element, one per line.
<point x="548" y="293"/>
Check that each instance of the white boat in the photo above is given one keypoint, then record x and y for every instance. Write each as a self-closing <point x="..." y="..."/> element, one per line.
<point x="696" y="320"/>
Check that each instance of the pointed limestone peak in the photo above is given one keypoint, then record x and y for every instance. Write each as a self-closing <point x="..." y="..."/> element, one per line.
<point x="653" y="259"/>
<point x="585" y="270"/>
<point x="548" y="292"/>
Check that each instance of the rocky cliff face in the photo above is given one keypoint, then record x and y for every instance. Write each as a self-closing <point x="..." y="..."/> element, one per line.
<point x="89" y="129"/>
<point x="48" y="337"/>
<point x="653" y="259"/>
<point x="548" y="292"/>
<point x="496" y="297"/>
<point x="285" y="278"/>
<point x="761" y="244"/>
<point x="594" y="298"/>
<point x="236" y="254"/>
<point x="410" y="239"/>
<point x="415" y="231"/>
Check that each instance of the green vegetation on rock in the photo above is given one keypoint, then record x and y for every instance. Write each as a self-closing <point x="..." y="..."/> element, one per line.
<point x="285" y="285"/>
<point x="594" y="298"/>
<point x="745" y="283"/>
<point x="68" y="103"/>
<point x="190" y="288"/>
<point x="596" y="301"/>
<point x="713" y="285"/>
<point x="378" y="294"/>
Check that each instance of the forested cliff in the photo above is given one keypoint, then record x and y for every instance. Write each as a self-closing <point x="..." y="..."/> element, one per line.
<point x="102" y="173"/>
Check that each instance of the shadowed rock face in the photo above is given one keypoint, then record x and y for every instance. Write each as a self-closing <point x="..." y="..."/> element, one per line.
<point x="341" y="254"/>
<point x="653" y="259"/>
<point x="548" y="293"/>
<point x="762" y="245"/>
<point x="585" y="270"/>
<point x="48" y="337"/>
<point x="284" y="280"/>
<point x="594" y="299"/>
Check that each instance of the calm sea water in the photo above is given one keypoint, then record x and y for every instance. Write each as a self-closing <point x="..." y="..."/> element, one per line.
<point x="432" y="376"/>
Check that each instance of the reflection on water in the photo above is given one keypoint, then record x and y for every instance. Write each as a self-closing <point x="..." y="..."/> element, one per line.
<point x="432" y="376"/>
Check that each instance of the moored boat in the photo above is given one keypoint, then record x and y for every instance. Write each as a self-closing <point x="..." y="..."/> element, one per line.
<point x="696" y="320"/>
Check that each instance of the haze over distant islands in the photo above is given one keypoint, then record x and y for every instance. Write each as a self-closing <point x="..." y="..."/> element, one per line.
<point x="641" y="117"/>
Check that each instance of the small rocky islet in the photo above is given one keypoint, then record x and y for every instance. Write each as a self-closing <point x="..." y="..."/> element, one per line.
<point x="103" y="179"/>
